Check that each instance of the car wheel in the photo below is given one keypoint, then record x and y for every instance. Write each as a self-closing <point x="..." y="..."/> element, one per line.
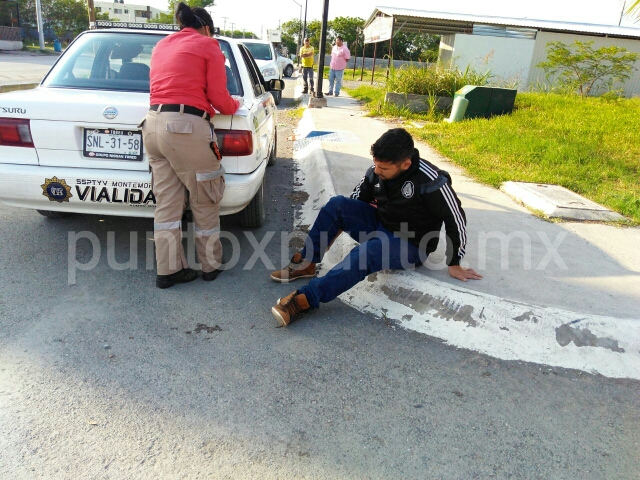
<point x="277" y="96"/>
<point x="253" y="214"/>
<point x="50" y="214"/>
<point x="272" y="155"/>
<point x="288" y="71"/>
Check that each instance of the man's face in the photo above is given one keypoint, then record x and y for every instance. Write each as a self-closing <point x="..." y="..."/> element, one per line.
<point x="388" y="170"/>
<point x="338" y="42"/>
<point x="306" y="42"/>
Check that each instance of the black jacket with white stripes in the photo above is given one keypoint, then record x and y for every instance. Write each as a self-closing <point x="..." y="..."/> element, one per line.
<point x="418" y="201"/>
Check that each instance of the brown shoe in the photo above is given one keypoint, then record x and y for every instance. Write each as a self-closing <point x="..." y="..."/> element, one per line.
<point x="296" y="269"/>
<point x="287" y="308"/>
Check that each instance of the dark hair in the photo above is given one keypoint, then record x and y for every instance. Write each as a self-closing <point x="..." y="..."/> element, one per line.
<point x="394" y="146"/>
<point x="193" y="17"/>
<point x="339" y="38"/>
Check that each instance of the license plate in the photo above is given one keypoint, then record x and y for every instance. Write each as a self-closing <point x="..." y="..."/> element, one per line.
<point x="113" y="144"/>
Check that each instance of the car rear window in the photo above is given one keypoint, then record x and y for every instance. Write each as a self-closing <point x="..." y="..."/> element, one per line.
<point x="260" y="51"/>
<point x="117" y="61"/>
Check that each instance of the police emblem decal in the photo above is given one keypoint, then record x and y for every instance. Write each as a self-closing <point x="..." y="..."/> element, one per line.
<point x="407" y="189"/>
<point x="56" y="190"/>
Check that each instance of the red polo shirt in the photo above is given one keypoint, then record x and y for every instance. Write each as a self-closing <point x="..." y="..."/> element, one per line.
<point x="188" y="68"/>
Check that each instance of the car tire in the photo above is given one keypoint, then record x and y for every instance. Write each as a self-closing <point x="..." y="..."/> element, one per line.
<point x="51" y="214"/>
<point x="277" y="96"/>
<point x="288" y="71"/>
<point x="253" y="214"/>
<point x="272" y="156"/>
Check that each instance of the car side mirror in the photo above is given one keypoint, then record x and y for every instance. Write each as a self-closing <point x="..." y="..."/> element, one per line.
<point x="275" y="85"/>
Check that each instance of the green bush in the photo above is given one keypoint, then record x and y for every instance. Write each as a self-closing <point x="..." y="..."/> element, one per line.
<point x="433" y="80"/>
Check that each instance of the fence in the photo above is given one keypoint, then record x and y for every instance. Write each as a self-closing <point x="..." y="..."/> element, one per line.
<point x="368" y="62"/>
<point x="10" y="34"/>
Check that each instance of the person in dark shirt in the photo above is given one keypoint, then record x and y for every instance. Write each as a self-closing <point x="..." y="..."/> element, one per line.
<point x="396" y="212"/>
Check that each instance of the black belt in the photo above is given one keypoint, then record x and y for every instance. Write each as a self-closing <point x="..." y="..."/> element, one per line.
<point x="176" y="108"/>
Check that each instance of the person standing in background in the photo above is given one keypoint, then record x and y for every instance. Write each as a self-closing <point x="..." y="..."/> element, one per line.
<point x="340" y="55"/>
<point x="307" y="53"/>
<point x="188" y="83"/>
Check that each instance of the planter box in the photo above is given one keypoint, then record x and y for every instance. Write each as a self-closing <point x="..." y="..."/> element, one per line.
<point x="417" y="103"/>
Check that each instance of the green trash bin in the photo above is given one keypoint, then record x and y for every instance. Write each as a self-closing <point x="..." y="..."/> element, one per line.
<point x="458" y="109"/>
<point x="486" y="101"/>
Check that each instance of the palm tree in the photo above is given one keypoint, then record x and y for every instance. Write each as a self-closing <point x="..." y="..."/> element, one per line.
<point x="634" y="9"/>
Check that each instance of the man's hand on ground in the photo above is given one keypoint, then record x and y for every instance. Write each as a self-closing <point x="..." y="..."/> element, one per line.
<point x="464" y="273"/>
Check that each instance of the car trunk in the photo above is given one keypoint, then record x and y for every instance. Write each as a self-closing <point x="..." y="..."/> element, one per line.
<point x="61" y="120"/>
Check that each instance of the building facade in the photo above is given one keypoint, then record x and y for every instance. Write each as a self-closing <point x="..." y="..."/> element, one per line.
<point x="510" y="49"/>
<point x="127" y="12"/>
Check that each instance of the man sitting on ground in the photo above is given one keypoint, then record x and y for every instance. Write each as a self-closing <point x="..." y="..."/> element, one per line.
<point x="395" y="212"/>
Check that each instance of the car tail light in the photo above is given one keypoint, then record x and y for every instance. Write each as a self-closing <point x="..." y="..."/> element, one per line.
<point x="15" y="132"/>
<point x="235" y="142"/>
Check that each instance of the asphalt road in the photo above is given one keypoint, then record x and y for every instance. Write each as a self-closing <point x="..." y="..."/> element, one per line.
<point x="113" y="378"/>
<point x="24" y="67"/>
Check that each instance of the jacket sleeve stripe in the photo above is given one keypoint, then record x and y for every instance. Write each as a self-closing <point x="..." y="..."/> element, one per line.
<point x="453" y="206"/>
<point x="428" y="171"/>
<point x="356" y="191"/>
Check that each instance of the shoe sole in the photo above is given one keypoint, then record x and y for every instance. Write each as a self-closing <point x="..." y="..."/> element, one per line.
<point x="289" y="280"/>
<point x="277" y="316"/>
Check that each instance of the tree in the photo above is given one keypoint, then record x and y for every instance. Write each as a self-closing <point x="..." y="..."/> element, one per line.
<point x="169" y="18"/>
<point x="67" y="18"/>
<point x="406" y="46"/>
<point x="290" y="31"/>
<point x="349" y="28"/>
<point x="584" y="70"/>
<point x="64" y="18"/>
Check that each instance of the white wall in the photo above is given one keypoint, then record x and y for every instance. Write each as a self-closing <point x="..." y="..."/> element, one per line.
<point x="10" y="45"/>
<point x="508" y="59"/>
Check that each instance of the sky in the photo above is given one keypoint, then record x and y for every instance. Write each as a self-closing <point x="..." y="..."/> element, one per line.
<point x="239" y="12"/>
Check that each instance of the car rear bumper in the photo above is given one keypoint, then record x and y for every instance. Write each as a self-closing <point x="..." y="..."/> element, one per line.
<point x="104" y="192"/>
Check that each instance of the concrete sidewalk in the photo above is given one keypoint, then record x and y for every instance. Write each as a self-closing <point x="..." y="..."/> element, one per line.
<point x="565" y="294"/>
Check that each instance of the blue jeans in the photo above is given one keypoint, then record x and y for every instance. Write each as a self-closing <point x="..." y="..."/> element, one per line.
<point x="379" y="249"/>
<point x="335" y="76"/>
<point x="307" y="72"/>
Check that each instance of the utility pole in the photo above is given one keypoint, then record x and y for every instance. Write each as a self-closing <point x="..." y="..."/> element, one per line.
<point x="304" y="25"/>
<point x="224" y="28"/>
<point x="92" y="11"/>
<point x="40" y="26"/>
<point x="624" y="6"/>
<point x="323" y="46"/>
<point x="299" y="32"/>
<point x="232" y="29"/>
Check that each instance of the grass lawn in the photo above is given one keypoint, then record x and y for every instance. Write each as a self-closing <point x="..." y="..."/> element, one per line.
<point x="589" y="146"/>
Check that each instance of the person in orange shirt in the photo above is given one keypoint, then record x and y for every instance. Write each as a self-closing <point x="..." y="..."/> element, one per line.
<point x="188" y="83"/>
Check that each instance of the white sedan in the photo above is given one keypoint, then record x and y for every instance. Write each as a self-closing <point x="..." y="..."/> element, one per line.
<point x="72" y="144"/>
<point x="286" y="65"/>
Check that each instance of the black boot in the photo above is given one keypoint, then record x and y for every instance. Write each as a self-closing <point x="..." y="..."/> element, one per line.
<point x="182" y="276"/>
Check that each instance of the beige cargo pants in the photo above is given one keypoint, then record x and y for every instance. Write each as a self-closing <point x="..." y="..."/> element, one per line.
<point x="185" y="171"/>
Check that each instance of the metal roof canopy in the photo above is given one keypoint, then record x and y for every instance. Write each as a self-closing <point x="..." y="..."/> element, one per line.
<point x="443" y="23"/>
